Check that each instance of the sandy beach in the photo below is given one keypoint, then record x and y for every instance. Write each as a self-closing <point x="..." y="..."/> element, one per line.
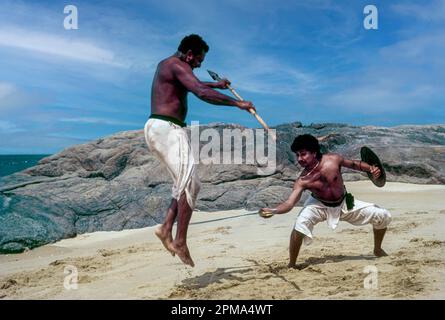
<point x="240" y="255"/>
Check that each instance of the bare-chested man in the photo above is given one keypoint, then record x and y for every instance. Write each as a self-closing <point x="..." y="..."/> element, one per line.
<point x="168" y="140"/>
<point x="329" y="200"/>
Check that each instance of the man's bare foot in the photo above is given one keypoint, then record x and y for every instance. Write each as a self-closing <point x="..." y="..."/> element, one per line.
<point x="183" y="254"/>
<point x="299" y="266"/>
<point x="380" y="253"/>
<point x="166" y="239"/>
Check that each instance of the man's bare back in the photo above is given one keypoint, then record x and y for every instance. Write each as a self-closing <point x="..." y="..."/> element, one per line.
<point x="174" y="78"/>
<point x="168" y="95"/>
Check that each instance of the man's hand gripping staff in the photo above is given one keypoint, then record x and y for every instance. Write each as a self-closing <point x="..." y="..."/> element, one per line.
<point x="216" y="77"/>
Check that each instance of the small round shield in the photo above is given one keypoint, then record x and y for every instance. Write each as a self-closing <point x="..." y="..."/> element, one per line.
<point x="372" y="159"/>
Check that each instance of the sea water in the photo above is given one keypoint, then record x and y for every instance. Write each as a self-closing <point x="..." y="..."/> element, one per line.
<point x="12" y="163"/>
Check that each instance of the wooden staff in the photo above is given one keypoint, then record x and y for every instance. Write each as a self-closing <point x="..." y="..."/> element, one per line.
<point x="216" y="77"/>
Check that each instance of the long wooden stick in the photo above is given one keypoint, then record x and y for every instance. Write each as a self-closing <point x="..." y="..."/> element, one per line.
<point x="260" y="120"/>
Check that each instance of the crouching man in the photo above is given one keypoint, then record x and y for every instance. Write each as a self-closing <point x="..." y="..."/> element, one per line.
<point x="329" y="199"/>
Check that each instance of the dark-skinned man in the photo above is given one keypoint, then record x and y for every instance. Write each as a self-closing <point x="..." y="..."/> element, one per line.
<point x="167" y="139"/>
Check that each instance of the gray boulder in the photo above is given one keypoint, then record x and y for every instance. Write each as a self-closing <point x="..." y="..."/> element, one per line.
<point x="115" y="183"/>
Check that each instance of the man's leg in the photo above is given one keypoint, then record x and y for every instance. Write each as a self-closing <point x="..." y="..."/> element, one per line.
<point x="378" y="238"/>
<point x="164" y="231"/>
<point x="380" y="218"/>
<point x="179" y="245"/>
<point x="308" y="217"/>
<point x="296" y="239"/>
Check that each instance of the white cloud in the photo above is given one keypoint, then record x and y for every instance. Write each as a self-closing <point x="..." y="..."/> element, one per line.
<point x="9" y="127"/>
<point x="434" y="11"/>
<point x="6" y="89"/>
<point x="92" y="120"/>
<point x="426" y="49"/>
<point x="83" y="50"/>
<point x="375" y="99"/>
<point x="267" y="76"/>
<point x="406" y="75"/>
<point x="14" y="98"/>
<point x="260" y="73"/>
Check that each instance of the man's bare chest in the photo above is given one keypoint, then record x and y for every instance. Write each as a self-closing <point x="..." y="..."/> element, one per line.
<point x="323" y="180"/>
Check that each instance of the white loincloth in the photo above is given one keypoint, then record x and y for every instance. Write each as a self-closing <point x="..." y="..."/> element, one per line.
<point x="170" y="143"/>
<point x="363" y="213"/>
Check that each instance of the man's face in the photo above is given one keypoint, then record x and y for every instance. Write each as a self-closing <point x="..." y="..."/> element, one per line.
<point x="305" y="157"/>
<point x="195" y="60"/>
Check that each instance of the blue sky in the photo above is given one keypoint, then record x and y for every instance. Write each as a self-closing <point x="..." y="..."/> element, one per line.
<point x="308" y="61"/>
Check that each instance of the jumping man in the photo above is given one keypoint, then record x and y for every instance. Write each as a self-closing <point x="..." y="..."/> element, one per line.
<point x="168" y="140"/>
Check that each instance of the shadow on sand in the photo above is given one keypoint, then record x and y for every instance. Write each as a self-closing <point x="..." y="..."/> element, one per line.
<point x="331" y="258"/>
<point x="259" y="271"/>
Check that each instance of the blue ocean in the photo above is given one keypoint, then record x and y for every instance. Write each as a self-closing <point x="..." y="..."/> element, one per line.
<point x="10" y="164"/>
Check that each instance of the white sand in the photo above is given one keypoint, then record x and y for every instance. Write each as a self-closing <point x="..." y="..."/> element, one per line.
<point x="239" y="255"/>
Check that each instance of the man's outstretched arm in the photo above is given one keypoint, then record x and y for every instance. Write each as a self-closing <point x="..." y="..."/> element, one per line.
<point x="223" y="84"/>
<point x="185" y="75"/>
<point x="287" y="205"/>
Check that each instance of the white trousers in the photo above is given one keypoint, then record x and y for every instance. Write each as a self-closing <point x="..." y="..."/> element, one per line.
<point x="171" y="145"/>
<point x="363" y="213"/>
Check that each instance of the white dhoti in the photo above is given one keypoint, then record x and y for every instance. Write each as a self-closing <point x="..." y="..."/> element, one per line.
<point x="171" y="145"/>
<point x="363" y="213"/>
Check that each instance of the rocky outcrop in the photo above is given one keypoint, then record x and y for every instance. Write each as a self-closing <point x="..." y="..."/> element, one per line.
<point x="115" y="183"/>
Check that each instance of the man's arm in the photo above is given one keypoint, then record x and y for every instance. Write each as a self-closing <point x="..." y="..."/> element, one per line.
<point x="359" y="166"/>
<point x="185" y="75"/>
<point x="287" y="205"/>
<point x="223" y="84"/>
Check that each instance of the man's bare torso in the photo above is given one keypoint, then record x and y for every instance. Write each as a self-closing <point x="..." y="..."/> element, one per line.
<point x="168" y="95"/>
<point x="325" y="181"/>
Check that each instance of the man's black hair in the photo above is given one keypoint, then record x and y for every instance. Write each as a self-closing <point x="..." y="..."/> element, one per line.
<point x="193" y="42"/>
<point x="308" y="142"/>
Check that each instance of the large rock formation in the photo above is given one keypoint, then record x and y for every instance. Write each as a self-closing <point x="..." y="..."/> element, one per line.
<point x="115" y="183"/>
